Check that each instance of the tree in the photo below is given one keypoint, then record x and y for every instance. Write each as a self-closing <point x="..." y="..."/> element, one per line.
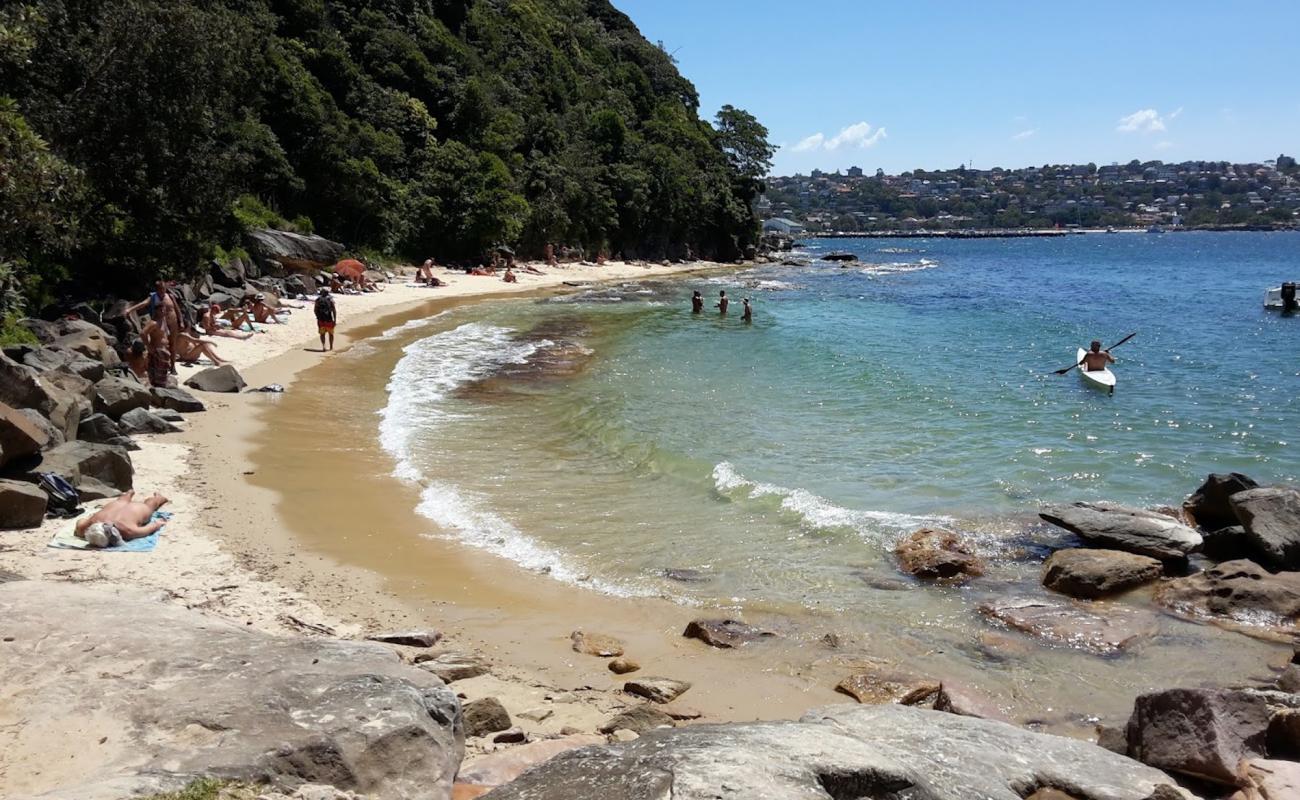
<point x="744" y="141"/>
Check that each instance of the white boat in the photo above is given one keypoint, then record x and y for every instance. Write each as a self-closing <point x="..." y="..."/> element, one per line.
<point x="1273" y="298"/>
<point x="1100" y="379"/>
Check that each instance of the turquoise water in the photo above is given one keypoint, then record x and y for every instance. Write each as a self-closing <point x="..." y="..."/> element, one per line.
<point x="608" y="435"/>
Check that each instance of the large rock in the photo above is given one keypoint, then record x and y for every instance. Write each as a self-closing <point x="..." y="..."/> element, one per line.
<point x="76" y="460"/>
<point x="1133" y="530"/>
<point x="22" y="505"/>
<point x="873" y="688"/>
<point x="1208" y="507"/>
<point x="99" y="429"/>
<point x="453" y="666"/>
<point x="595" y="644"/>
<point x="115" y="396"/>
<point x="1237" y="591"/>
<point x="504" y="766"/>
<point x="1201" y="733"/>
<point x="485" y="716"/>
<point x="842" y="753"/>
<point x="231" y="273"/>
<point x="224" y="378"/>
<point x="126" y="686"/>
<point x="142" y="420"/>
<point x="91" y="342"/>
<point x="53" y="435"/>
<point x="1097" y="573"/>
<point x="23" y="387"/>
<point x="1271" y="517"/>
<point x="1270" y="780"/>
<point x="1099" y="629"/>
<point x="411" y="638"/>
<point x="176" y="400"/>
<point x="724" y="633"/>
<point x="937" y="555"/>
<point x="59" y="359"/>
<point x="660" y="690"/>
<point x="19" y="435"/>
<point x="638" y="719"/>
<point x="1228" y="544"/>
<point x="294" y="251"/>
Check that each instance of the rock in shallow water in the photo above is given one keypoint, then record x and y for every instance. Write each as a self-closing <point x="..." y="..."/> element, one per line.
<point x="1101" y="629"/>
<point x="1133" y="530"/>
<point x="1240" y="592"/>
<point x="1271" y="517"/>
<point x="1096" y="573"/>
<point x="724" y="633"/>
<point x="937" y="555"/>
<point x="1209" y="507"/>
<point x="871" y="688"/>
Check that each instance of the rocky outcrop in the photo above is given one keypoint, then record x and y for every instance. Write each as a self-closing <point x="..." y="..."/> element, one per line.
<point x="54" y="437"/>
<point x="1209" y="508"/>
<point x="154" y="689"/>
<point x="292" y="251"/>
<point x="1201" y="733"/>
<point x="872" y="688"/>
<point x="1133" y="530"/>
<point x="58" y="359"/>
<point x="22" y="505"/>
<point x="76" y="460"/>
<point x="99" y="429"/>
<point x="724" y="633"/>
<point x="659" y="690"/>
<point x="1271" y="517"/>
<point x="842" y="752"/>
<point x="1099" y="629"/>
<point x="19" y="435"/>
<point x="595" y="644"/>
<point x="1096" y="573"/>
<point x="937" y="555"/>
<point x="23" y="387"/>
<point x="176" y="400"/>
<point x="1236" y="591"/>
<point x="224" y="378"/>
<point x="142" y="420"/>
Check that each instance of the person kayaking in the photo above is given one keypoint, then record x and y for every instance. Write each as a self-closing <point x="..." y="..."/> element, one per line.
<point x="1096" y="359"/>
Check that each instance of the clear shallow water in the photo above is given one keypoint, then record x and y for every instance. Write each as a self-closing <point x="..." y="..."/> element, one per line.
<point x="607" y="435"/>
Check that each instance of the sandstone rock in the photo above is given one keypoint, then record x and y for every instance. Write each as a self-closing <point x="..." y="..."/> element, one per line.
<point x="115" y="396"/>
<point x="19" y="436"/>
<point x="1228" y="544"/>
<point x="59" y="359"/>
<point x="1208" y="507"/>
<point x="536" y="714"/>
<point x="91" y="341"/>
<point x="873" y="688"/>
<point x="966" y="701"/>
<point x="660" y="690"/>
<point x="23" y="387"/>
<point x="224" y="378"/>
<point x="504" y="766"/>
<point x="595" y="644"/>
<point x="1133" y="530"/>
<point x="169" y="415"/>
<point x="75" y="460"/>
<point x="934" y="554"/>
<point x="181" y="694"/>
<point x="1000" y="646"/>
<point x="293" y="251"/>
<point x="638" y="719"/>
<point x="1271" y="780"/>
<point x="1271" y="517"/>
<point x="1113" y="739"/>
<point x="1201" y="733"/>
<point x="453" y="666"/>
<point x="1101" y="630"/>
<point x="624" y="735"/>
<point x="407" y="638"/>
<point x="511" y="736"/>
<point x="22" y="505"/>
<point x="724" y="633"/>
<point x="1283" y="735"/>
<point x="622" y="666"/>
<point x="142" y="420"/>
<point x="176" y="400"/>
<point x="844" y="752"/>
<point x="99" y="429"/>
<point x="1095" y="573"/>
<point x="485" y="716"/>
<point x="91" y="489"/>
<point x="1238" y="591"/>
<point x="53" y="435"/>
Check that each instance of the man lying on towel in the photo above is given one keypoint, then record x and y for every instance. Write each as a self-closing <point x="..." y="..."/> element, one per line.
<point x="121" y="521"/>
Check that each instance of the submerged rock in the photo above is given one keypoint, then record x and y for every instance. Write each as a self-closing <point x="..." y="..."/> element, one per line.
<point x="1097" y="573"/>
<point x="724" y="633"/>
<point x="1104" y="630"/>
<point x="1236" y="591"/>
<point x="1209" y="507"/>
<point x="877" y="687"/>
<point x="1200" y="733"/>
<point x="935" y="554"/>
<point x="1271" y="517"/>
<point x="1133" y="530"/>
<point x="687" y="575"/>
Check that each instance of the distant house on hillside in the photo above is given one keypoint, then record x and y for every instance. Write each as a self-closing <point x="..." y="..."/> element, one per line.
<point x="782" y="225"/>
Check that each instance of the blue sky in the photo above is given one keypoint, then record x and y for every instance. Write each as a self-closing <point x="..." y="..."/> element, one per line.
<point x="933" y="84"/>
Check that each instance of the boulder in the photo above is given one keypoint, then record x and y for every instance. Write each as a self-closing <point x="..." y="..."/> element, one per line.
<point x="1283" y="736"/>
<point x="176" y="400"/>
<point x="44" y="330"/>
<point x="54" y="437"/>
<point x="99" y="429"/>
<point x="934" y="554"/>
<point x="1271" y="517"/>
<point x="955" y="698"/>
<point x="169" y="415"/>
<point x="495" y="769"/>
<point x="1098" y="629"/>
<point x="142" y="420"/>
<point x="724" y="633"/>
<point x="638" y="719"/>
<point x="844" y="753"/>
<point x="115" y="396"/>
<point x="91" y="342"/>
<point x="1237" y="591"/>
<point x="1200" y="733"/>
<point x="76" y="460"/>
<point x="224" y="378"/>
<point x="1097" y="573"/>
<point x="1208" y="507"/>
<point x="1227" y="544"/>
<point x="23" y="387"/>
<point x="1270" y="780"/>
<point x="452" y="666"/>
<point x="1133" y="530"/>
<point x="91" y="489"/>
<point x="59" y="359"/>
<point x="596" y="644"/>
<point x="622" y="666"/>
<point x="293" y="251"/>
<point x="230" y="273"/>
<point x="19" y="435"/>
<point x="179" y="693"/>
<point x="660" y="690"/>
<point x="485" y="716"/>
<point x="878" y="687"/>
<point x="426" y="638"/>
<point x="22" y="504"/>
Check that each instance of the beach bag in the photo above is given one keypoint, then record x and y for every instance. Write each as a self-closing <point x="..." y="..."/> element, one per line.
<point x="324" y="308"/>
<point x="63" y="499"/>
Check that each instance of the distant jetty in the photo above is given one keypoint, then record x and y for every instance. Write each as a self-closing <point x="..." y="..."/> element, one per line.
<point x="1020" y="233"/>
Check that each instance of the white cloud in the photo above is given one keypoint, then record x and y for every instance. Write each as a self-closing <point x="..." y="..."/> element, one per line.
<point x="1148" y="120"/>
<point x="1020" y="137"/>
<point x="860" y="135"/>
<point x="1175" y="114"/>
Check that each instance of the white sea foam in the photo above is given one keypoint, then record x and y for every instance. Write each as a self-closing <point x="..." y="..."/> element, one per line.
<point x="896" y="267"/>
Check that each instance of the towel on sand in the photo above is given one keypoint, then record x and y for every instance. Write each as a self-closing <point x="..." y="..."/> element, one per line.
<point x="67" y="539"/>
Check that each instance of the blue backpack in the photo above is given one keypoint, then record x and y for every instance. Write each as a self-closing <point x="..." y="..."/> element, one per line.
<point x="63" y="498"/>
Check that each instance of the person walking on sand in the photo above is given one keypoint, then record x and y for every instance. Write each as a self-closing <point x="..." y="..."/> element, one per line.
<point x="748" y="314"/>
<point x="723" y="302"/>
<point x="326" y="317"/>
<point x="697" y="303"/>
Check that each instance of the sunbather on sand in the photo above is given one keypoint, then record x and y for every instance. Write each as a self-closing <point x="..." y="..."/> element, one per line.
<point x="261" y="311"/>
<point x="210" y="327"/>
<point x="121" y="520"/>
<point x="190" y="349"/>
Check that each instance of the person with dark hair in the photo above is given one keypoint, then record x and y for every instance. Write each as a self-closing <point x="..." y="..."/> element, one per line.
<point x="326" y="317"/>
<point x="697" y="303"/>
<point x="1096" y="359"/>
<point x="748" y="315"/>
<point x="723" y="302"/>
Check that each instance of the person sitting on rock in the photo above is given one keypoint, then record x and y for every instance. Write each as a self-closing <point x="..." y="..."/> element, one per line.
<point x="159" y="358"/>
<point x="191" y="348"/>
<point x="121" y="520"/>
<point x="137" y="359"/>
<point x="208" y="323"/>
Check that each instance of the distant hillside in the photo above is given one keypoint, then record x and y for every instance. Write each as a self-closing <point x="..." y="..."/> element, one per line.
<point x="138" y="136"/>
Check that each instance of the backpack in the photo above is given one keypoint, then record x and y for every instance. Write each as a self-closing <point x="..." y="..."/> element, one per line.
<point x="324" y="307"/>
<point x="63" y="498"/>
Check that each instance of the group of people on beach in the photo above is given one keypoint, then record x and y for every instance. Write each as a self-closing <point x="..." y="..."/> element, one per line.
<point x="697" y="305"/>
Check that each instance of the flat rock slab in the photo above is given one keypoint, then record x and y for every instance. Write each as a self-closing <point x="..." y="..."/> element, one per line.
<point x="1200" y="733"/>
<point x="1091" y="573"/>
<point x="1272" y="779"/>
<point x="873" y="688"/>
<point x="408" y="638"/>
<point x="596" y="644"/>
<point x="1238" y="592"/>
<point x="638" y="719"/>
<point x="504" y="766"/>
<point x="724" y="633"/>
<point x="453" y="666"/>
<point x="660" y="690"/>
<point x="1271" y="517"/>
<point x="1133" y="530"/>
<point x="1104" y="630"/>
<point x="175" y="693"/>
<point x="856" y="752"/>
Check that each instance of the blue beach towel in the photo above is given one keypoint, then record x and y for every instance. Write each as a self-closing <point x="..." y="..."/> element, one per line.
<point x="67" y="539"/>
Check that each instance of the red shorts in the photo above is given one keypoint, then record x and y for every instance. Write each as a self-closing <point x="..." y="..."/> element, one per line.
<point x="324" y="327"/>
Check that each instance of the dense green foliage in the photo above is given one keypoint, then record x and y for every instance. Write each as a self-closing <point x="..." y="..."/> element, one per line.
<point x="144" y="134"/>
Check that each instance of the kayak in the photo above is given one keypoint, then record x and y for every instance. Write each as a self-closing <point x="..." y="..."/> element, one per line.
<point x="1100" y="379"/>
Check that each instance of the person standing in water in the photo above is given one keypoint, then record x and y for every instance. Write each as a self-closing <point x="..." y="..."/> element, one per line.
<point x="697" y="303"/>
<point x="326" y="317"/>
<point x="723" y="302"/>
<point x="748" y="315"/>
